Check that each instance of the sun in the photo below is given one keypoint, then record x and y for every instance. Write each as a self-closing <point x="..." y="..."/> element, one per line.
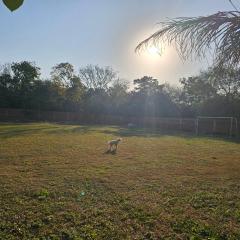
<point x="154" y="51"/>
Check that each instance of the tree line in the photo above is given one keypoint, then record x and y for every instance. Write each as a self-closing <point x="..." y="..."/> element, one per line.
<point x="99" y="90"/>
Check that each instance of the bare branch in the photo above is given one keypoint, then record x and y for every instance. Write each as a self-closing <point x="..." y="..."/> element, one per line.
<point x="96" y="77"/>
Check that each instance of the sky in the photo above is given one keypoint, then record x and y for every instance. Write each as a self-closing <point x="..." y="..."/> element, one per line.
<point x="103" y="32"/>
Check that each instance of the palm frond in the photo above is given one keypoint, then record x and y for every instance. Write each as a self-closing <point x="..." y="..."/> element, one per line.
<point x="193" y="37"/>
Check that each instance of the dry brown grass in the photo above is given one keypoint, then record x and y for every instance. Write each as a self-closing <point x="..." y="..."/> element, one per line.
<point x="58" y="183"/>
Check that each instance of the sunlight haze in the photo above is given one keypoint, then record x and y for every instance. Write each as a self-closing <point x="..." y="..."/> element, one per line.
<point x="103" y="32"/>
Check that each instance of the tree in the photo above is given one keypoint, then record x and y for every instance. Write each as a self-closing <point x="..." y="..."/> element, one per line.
<point x="6" y="76"/>
<point x="174" y="92"/>
<point x="197" y="89"/>
<point x="215" y="92"/>
<point x="25" y="73"/>
<point x="62" y="74"/>
<point x="17" y="82"/>
<point x="226" y="81"/>
<point x="75" y="93"/>
<point x="118" y="97"/>
<point x="149" y="99"/>
<point x="118" y="90"/>
<point x="195" y="36"/>
<point x="147" y="85"/>
<point x="5" y="85"/>
<point x="96" y="77"/>
<point x="212" y="82"/>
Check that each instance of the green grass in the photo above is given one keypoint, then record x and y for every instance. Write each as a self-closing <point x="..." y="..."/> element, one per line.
<point x="57" y="182"/>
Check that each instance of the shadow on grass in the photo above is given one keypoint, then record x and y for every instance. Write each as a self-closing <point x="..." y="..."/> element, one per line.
<point x="153" y="132"/>
<point x="17" y="130"/>
<point x="14" y="130"/>
<point x="72" y="129"/>
<point x="20" y="131"/>
<point x="113" y="152"/>
<point x="143" y="132"/>
<point x="9" y="130"/>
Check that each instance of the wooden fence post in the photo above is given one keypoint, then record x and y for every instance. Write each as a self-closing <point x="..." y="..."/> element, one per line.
<point x="196" y="126"/>
<point x="214" y="125"/>
<point x="180" y="123"/>
<point x="231" y="127"/>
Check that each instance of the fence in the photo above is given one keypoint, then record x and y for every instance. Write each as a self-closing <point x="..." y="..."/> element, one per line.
<point x="221" y="126"/>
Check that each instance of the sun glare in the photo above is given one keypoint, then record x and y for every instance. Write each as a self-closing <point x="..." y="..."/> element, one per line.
<point x="154" y="51"/>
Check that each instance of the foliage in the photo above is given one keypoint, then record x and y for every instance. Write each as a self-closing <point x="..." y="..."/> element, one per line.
<point x="197" y="89"/>
<point x="17" y="82"/>
<point x="214" y="92"/>
<point x="62" y="74"/>
<point x="13" y="4"/>
<point x="149" y="99"/>
<point x="147" y="85"/>
<point x="226" y="81"/>
<point x="96" y="77"/>
<point x="194" y="37"/>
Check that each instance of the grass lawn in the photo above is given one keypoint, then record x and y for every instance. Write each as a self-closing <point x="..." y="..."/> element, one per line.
<point x="57" y="182"/>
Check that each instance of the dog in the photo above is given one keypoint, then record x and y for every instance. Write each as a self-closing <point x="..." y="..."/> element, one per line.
<point x="114" y="143"/>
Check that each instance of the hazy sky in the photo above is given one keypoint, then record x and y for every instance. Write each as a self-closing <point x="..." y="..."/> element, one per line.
<point x="103" y="32"/>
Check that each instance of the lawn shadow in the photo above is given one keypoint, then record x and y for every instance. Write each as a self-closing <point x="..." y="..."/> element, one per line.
<point x="17" y="130"/>
<point x="72" y="129"/>
<point x="138" y="132"/>
<point x="10" y="130"/>
<point x="113" y="152"/>
<point x="157" y="133"/>
<point x="21" y="131"/>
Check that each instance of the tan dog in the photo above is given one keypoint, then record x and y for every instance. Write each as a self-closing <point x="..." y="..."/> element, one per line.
<point x="114" y="143"/>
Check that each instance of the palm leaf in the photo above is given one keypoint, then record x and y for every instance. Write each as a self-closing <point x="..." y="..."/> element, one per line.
<point x="193" y="37"/>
